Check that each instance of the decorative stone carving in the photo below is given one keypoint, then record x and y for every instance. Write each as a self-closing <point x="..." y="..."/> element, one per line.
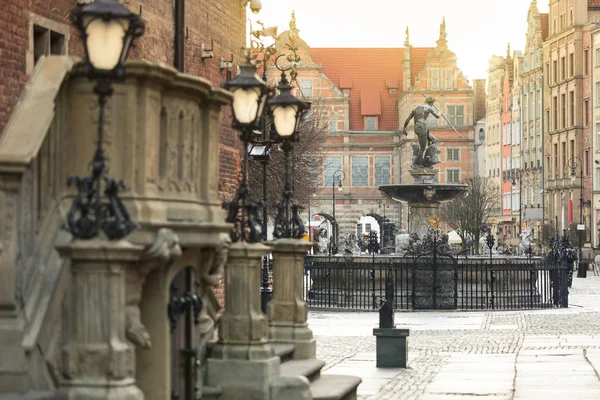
<point x="163" y="250"/>
<point x="210" y="276"/>
<point x="428" y="193"/>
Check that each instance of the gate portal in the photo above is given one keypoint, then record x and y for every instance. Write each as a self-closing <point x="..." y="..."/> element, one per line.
<point x="183" y="312"/>
<point x="434" y="284"/>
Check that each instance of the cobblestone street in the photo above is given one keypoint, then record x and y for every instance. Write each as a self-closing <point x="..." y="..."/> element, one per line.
<point x="473" y="354"/>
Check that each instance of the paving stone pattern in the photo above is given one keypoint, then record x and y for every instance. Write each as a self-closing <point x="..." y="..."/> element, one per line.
<point x="445" y="346"/>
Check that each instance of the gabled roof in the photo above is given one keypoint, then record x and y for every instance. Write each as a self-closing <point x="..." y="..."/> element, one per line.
<point x="372" y="71"/>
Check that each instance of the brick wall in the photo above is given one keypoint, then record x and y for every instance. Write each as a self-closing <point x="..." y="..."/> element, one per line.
<point x="217" y="23"/>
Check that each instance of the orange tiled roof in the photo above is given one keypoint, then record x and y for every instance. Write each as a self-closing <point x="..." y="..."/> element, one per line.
<point x="370" y="102"/>
<point x="593" y="3"/>
<point x="544" y="22"/>
<point x="370" y="70"/>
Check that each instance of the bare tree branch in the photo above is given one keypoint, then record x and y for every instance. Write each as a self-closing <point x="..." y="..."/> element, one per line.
<point x="304" y="163"/>
<point x="467" y="214"/>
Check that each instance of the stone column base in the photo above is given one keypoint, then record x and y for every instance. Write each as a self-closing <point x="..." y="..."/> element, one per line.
<point x="243" y="379"/>
<point x="392" y="349"/>
<point x="299" y="336"/>
<point x="102" y="391"/>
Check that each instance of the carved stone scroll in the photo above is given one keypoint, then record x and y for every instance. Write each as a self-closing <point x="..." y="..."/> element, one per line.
<point x="162" y="251"/>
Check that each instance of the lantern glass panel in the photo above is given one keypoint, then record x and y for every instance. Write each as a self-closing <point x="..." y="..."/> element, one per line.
<point x="284" y="118"/>
<point x="105" y="41"/>
<point x="247" y="104"/>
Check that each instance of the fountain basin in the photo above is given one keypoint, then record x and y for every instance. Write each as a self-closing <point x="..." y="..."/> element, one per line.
<point x="424" y="193"/>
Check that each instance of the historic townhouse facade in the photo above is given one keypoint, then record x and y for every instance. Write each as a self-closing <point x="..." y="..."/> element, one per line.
<point x="507" y="201"/>
<point x="528" y="149"/>
<point x="563" y="59"/>
<point x="493" y="130"/>
<point x="594" y="126"/>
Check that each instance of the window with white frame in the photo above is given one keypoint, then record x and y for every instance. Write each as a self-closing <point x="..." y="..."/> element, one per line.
<point x="306" y="86"/>
<point x="452" y="175"/>
<point x="332" y="126"/>
<point x="448" y="79"/>
<point x="456" y="115"/>
<point x="382" y="171"/>
<point x="330" y="166"/>
<point x="360" y="171"/>
<point x="453" y="154"/>
<point x="598" y="57"/>
<point x="435" y="81"/>
<point x="371" y="123"/>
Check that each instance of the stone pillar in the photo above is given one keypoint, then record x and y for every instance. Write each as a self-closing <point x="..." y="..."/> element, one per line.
<point x="242" y="363"/>
<point x="98" y="362"/>
<point x="287" y="310"/>
<point x="419" y="214"/>
<point x="13" y="364"/>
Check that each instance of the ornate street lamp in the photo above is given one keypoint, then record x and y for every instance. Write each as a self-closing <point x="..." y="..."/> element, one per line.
<point x="249" y="97"/>
<point x="287" y="111"/>
<point x="108" y="30"/>
<point x="574" y="163"/>
<point x="340" y="175"/>
<point x="518" y="173"/>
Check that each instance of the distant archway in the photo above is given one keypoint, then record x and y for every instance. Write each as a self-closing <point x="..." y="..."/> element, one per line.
<point x="334" y="230"/>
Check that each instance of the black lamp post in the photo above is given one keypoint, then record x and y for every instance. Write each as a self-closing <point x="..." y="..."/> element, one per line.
<point x="573" y="163"/>
<point x="249" y="98"/>
<point x="514" y="183"/>
<point x="287" y="111"/>
<point x="108" y="30"/>
<point x="383" y="203"/>
<point x="340" y="176"/>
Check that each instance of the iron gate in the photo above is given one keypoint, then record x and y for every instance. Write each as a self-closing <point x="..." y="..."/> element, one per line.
<point x="183" y="312"/>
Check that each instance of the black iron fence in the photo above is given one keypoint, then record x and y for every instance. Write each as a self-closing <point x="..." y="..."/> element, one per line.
<point x="423" y="283"/>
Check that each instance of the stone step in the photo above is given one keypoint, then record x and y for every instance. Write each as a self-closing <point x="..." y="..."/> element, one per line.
<point x="285" y="351"/>
<point x="31" y="396"/>
<point x="211" y="392"/>
<point x="335" y="387"/>
<point x="308" y="368"/>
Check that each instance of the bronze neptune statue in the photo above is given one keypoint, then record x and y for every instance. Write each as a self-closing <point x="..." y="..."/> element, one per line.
<point x="424" y="156"/>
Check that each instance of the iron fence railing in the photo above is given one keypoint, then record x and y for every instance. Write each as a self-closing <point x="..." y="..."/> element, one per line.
<point x="444" y="283"/>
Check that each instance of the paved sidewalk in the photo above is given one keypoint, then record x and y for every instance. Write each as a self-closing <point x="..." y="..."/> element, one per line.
<point x="521" y="355"/>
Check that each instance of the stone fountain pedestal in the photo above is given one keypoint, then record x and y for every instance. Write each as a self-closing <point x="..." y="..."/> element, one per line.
<point x="423" y="197"/>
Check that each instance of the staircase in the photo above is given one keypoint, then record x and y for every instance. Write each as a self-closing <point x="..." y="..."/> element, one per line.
<point x="322" y="386"/>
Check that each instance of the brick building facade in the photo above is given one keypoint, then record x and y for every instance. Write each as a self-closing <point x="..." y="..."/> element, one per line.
<point x="366" y="95"/>
<point x="33" y="29"/>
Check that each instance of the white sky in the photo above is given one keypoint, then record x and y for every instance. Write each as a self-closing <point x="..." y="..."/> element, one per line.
<point x="477" y="29"/>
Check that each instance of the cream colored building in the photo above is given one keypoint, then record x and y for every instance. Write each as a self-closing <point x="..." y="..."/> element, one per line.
<point x="493" y="123"/>
<point x="595" y="128"/>
<point x="528" y="144"/>
<point x="563" y="107"/>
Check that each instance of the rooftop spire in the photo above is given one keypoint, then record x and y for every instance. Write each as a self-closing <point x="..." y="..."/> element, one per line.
<point x="406" y="39"/>
<point x="293" y="21"/>
<point x="442" y="42"/>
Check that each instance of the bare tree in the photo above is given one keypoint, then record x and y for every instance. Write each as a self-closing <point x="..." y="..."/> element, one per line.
<point x="467" y="214"/>
<point x="304" y="163"/>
